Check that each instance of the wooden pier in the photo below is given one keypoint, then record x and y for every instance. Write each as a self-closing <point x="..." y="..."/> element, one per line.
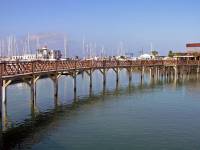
<point x="31" y="71"/>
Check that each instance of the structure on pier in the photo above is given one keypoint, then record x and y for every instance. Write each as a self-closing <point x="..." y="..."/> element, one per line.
<point x="193" y="47"/>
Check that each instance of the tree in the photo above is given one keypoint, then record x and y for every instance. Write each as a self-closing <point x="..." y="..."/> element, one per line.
<point x="155" y="53"/>
<point x="170" y="54"/>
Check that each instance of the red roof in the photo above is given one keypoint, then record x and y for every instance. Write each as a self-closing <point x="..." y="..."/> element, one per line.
<point x="193" y="45"/>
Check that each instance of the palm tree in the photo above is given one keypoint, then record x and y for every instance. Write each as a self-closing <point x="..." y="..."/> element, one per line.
<point x="170" y="53"/>
<point x="154" y="52"/>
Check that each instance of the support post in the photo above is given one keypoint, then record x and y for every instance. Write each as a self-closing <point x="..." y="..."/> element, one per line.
<point x="163" y="73"/>
<point x="104" y="76"/>
<point x="4" y="117"/>
<point x="4" y="90"/>
<point x="104" y="87"/>
<point x="4" y="93"/>
<point x="55" y="78"/>
<point x="4" y="104"/>
<point x="150" y="73"/>
<point x="55" y="85"/>
<point x="75" y="89"/>
<point x="198" y="70"/>
<point x="158" y="73"/>
<point x="33" y="90"/>
<point x="142" y="73"/>
<point x="90" y="89"/>
<point x="166" y="72"/>
<point x="32" y="84"/>
<point x="74" y="83"/>
<point x="103" y="72"/>
<point x="104" y="79"/>
<point x="90" y="79"/>
<point x="117" y="88"/>
<point x="116" y="70"/>
<point x="129" y="70"/>
<point x="153" y="72"/>
<point x="56" y="91"/>
<point x="1" y="118"/>
<point x="175" y="72"/>
<point x="117" y="75"/>
<point x="33" y="98"/>
<point x="1" y="85"/>
<point x="89" y="73"/>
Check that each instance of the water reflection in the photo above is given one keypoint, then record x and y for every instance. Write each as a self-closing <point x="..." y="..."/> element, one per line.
<point x="13" y="136"/>
<point x="4" y="117"/>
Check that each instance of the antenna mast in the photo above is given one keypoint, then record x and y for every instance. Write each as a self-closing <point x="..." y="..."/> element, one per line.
<point x="151" y="47"/>
<point x="83" y="47"/>
<point x="102" y="51"/>
<point x="28" y="43"/>
<point x="65" y="46"/>
<point x="90" y="50"/>
<point x="0" y="48"/>
<point x="38" y="42"/>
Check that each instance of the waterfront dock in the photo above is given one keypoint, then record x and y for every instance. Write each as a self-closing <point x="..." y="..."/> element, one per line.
<point x="31" y="71"/>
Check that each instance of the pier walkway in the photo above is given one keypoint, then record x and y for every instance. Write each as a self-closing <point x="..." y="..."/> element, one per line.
<point x="30" y="71"/>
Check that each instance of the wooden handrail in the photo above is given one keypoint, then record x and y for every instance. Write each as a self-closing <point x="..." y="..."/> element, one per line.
<point x="8" y="68"/>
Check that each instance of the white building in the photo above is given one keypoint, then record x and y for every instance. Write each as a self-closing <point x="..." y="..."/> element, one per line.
<point x="45" y="53"/>
<point x="146" y="57"/>
<point x="24" y="57"/>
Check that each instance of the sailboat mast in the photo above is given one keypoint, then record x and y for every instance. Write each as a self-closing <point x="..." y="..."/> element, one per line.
<point x="0" y="47"/>
<point x="83" y="47"/>
<point x="38" y="42"/>
<point x="65" y="46"/>
<point x="14" y="45"/>
<point x="90" y="50"/>
<point x="121" y="48"/>
<point x="102" y="51"/>
<point x="95" y="49"/>
<point x="151" y="47"/>
<point x="87" y="50"/>
<point x="28" y="43"/>
<point x="8" y="46"/>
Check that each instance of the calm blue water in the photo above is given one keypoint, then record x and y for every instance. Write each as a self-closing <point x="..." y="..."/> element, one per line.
<point x="159" y="114"/>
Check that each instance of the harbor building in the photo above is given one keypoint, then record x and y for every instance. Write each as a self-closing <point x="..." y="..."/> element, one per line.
<point x="193" y="47"/>
<point x="192" y="52"/>
<point x="45" y="53"/>
<point x="41" y="54"/>
<point x="24" y="57"/>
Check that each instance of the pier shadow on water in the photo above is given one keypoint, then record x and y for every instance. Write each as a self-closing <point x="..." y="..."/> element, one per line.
<point x="14" y="136"/>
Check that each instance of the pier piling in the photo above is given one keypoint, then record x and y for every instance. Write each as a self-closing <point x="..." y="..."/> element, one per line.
<point x="129" y="71"/>
<point x="75" y="84"/>
<point x="1" y="84"/>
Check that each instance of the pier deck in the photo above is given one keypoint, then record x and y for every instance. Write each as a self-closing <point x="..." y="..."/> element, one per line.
<point x="30" y="71"/>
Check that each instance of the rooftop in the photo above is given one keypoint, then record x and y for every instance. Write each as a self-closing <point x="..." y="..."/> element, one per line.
<point x="193" y="45"/>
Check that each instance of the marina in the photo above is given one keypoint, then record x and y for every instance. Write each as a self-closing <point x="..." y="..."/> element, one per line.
<point x="99" y="75"/>
<point x="49" y="65"/>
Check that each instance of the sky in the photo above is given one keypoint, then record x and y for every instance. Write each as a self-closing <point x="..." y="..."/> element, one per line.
<point x="167" y="24"/>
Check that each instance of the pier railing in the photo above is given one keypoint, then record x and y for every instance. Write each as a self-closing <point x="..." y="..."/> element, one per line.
<point x="30" y="67"/>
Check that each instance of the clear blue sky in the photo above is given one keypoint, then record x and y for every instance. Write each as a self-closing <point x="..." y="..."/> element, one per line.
<point x="168" y="24"/>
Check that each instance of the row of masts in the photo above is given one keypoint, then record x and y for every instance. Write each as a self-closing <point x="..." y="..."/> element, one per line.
<point x="90" y="49"/>
<point x="10" y="46"/>
<point x="13" y="47"/>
